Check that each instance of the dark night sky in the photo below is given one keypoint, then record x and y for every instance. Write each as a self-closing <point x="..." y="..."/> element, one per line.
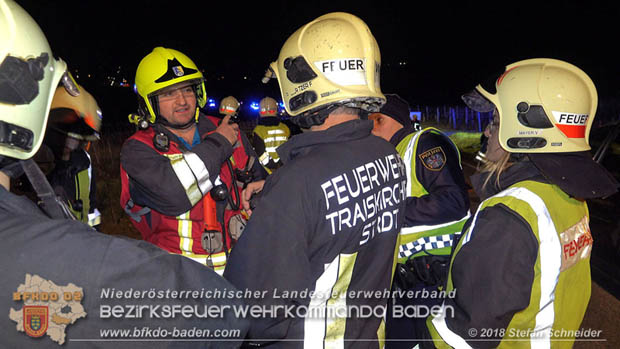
<point x="449" y="46"/>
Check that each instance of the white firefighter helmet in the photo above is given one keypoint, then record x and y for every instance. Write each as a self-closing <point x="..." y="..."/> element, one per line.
<point x="229" y="106"/>
<point x="268" y="107"/>
<point x="79" y="117"/>
<point x="29" y="75"/>
<point x="333" y="59"/>
<point x="544" y="105"/>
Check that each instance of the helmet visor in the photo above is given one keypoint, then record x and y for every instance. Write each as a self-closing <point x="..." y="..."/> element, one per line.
<point x="476" y="101"/>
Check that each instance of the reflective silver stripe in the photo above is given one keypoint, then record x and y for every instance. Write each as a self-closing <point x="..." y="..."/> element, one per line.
<point x="421" y="228"/>
<point x="218" y="181"/>
<point x="90" y="168"/>
<point x="94" y="218"/>
<point x="275" y="139"/>
<point x="186" y="240"/>
<point x="186" y="177"/>
<point x="275" y="132"/>
<point x="550" y="263"/>
<point x="218" y="260"/>
<point x="407" y="160"/>
<point x="200" y="171"/>
<point x="271" y="149"/>
<point x="264" y="159"/>
<point x="453" y="339"/>
<point x="315" y="326"/>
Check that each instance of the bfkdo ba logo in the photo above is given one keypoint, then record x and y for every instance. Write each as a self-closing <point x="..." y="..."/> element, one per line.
<point x="35" y="320"/>
<point x="47" y="308"/>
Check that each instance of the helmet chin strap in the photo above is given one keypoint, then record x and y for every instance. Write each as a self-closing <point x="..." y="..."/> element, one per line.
<point x="314" y="118"/>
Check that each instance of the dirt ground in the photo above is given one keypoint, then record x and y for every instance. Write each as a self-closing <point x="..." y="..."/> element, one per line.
<point x="602" y="315"/>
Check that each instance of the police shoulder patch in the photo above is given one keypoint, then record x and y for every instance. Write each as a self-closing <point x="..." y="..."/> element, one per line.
<point x="433" y="159"/>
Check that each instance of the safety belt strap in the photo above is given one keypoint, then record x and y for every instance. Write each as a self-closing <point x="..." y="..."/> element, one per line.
<point x="53" y="206"/>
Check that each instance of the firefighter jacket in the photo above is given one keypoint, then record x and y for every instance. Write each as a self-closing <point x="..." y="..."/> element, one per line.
<point x="90" y="274"/>
<point x="520" y="272"/>
<point x="163" y="190"/>
<point x="322" y="237"/>
<point x="437" y="199"/>
<point x="74" y="181"/>
<point x="272" y="133"/>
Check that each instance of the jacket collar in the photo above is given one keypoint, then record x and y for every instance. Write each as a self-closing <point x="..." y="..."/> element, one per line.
<point x="204" y="126"/>
<point x="400" y="135"/>
<point x="269" y="121"/>
<point x="519" y="171"/>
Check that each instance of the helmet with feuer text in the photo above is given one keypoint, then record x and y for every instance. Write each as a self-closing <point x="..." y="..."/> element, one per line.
<point x="332" y="61"/>
<point x="229" y="106"/>
<point x="29" y="75"/>
<point x="268" y="107"/>
<point x="544" y="106"/>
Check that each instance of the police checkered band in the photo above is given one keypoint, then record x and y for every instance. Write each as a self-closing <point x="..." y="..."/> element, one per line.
<point x="425" y="244"/>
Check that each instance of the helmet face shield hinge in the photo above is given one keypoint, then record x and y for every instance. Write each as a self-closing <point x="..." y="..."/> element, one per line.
<point x="526" y="142"/>
<point x="304" y="99"/>
<point x="533" y="116"/>
<point x="15" y="136"/>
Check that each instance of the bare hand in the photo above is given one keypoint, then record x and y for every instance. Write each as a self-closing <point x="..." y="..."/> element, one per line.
<point x="250" y="190"/>
<point x="230" y="131"/>
<point x="5" y="181"/>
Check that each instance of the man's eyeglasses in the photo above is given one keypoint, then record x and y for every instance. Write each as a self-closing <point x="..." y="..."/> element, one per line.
<point x="171" y="94"/>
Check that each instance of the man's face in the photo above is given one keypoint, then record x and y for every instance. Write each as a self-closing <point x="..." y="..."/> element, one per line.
<point x="494" y="151"/>
<point x="384" y="126"/>
<point x="177" y="103"/>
